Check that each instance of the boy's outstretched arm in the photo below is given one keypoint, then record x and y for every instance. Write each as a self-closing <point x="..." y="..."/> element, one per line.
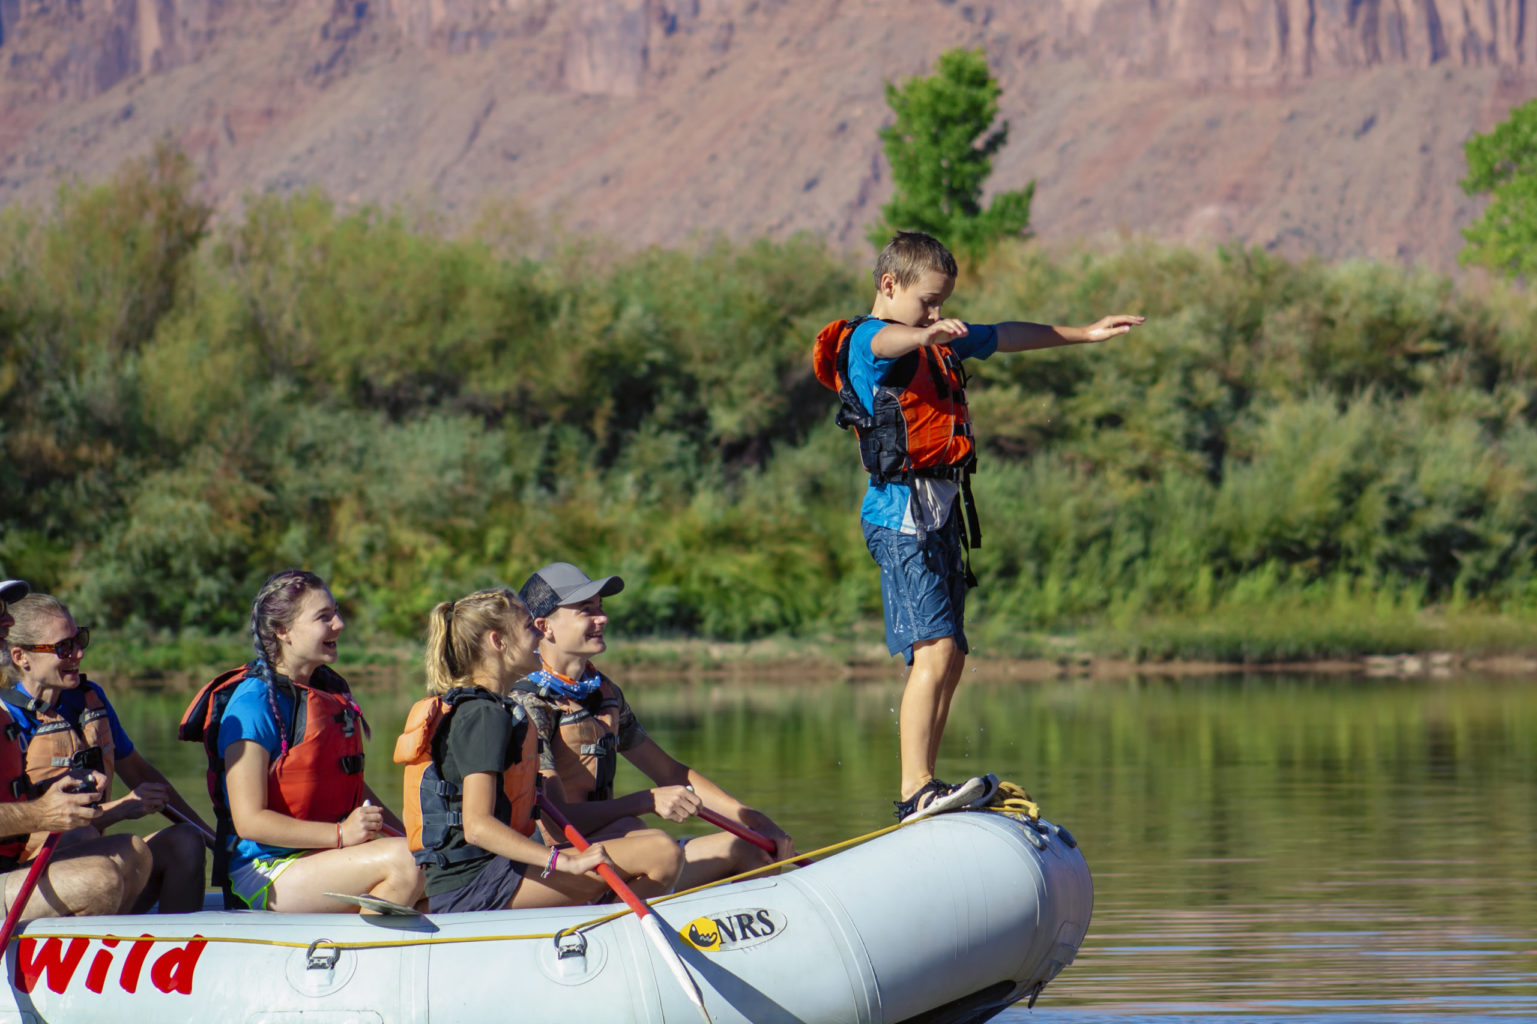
<point x="1021" y="336"/>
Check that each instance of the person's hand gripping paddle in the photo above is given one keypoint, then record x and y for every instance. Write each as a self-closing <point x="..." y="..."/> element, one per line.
<point x="650" y="923"/>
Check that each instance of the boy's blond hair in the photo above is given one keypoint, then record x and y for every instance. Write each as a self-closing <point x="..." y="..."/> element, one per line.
<point x="911" y="254"/>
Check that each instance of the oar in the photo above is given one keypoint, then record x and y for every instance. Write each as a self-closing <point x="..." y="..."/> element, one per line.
<point x="182" y="819"/>
<point x="27" y="885"/>
<point x="736" y="828"/>
<point x="650" y="923"/>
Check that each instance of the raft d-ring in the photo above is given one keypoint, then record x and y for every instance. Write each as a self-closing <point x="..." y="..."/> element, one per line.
<point x="1036" y="839"/>
<point x="324" y="960"/>
<point x="570" y="944"/>
<point x="1064" y="835"/>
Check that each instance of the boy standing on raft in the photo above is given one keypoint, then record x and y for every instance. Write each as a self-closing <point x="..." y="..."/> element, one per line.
<point x="900" y="385"/>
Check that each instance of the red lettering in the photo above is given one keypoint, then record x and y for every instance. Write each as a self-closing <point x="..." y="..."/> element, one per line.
<point x="135" y="962"/>
<point x="173" y="971"/>
<point x="97" y="975"/>
<point x="33" y="961"/>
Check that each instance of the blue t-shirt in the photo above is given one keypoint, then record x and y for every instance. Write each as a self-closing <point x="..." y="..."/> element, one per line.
<point x="889" y="505"/>
<point x="71" y="705"/>
<point x="248" y="716"/>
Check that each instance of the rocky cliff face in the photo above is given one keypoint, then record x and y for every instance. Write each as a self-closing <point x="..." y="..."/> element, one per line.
<point x="1306" y="125"/>
<point x="70" y="49"/>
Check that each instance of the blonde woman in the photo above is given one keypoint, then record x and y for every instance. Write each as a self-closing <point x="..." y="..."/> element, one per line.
<point x="472" y="767"/>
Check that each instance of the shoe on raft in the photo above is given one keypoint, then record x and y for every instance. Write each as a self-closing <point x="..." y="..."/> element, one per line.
<point x="936" y="797"/>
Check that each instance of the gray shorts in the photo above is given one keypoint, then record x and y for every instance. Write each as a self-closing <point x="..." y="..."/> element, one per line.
<point x="492" y="889"/>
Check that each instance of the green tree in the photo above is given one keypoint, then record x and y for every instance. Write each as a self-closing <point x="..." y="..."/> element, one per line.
<point x="1503" y="164"/>
<point x="941" y="148"/>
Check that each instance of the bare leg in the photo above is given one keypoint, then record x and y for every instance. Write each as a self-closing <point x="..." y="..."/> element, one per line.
<point x="382" y="868"/>
<point x="925" y="703"/>
<point x="957" y="665"/>
<point x="176" y="878"/>
<point x="649" y="860"/>
<point x="721" y="855"/>
<point x="100" y="876"/>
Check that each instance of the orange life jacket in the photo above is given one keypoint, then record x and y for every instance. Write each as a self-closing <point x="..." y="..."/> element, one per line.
<point x="433" y="805"/>
<point x="318" y="773"/>
<point x="57" y="745"/>
<point x="15" y="786"/>
<point x="586" y="745"/>
<point x="920" y="424"/>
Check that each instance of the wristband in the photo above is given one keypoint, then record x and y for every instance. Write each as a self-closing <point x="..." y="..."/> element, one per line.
<point x="554" y="856"/>
<point x="338" y="835"/>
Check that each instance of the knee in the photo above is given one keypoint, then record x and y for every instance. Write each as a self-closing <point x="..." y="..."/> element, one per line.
<point x="402" y="864"/>
<point x="184" y="848"/>
<point x="101" y="884"/>
<point x="664" y="854"/>
<point x="131" y="856"/>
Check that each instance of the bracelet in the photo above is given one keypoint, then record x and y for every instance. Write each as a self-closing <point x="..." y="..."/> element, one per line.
<point x="554" y="856"/>
<point x="338" y="835"/>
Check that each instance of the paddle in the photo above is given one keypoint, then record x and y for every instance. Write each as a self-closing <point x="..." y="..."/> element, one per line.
<point x="741" y="831"/>
<point x="27" y="885"/>
<point x="182" y="819"/>
<point x="368" y="902"/>
<point x="650" y="923"/>
<point x="736" y="828"/>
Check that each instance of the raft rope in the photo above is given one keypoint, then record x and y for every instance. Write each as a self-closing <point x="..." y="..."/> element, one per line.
<point x="1010" y="798"/>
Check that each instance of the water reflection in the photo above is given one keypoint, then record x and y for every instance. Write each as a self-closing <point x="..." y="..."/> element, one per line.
<point x="1304" y="849"/>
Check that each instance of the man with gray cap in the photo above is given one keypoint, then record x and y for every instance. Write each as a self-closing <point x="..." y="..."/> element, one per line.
<point x="585" y="722"/>
<point x="91" y="875"/>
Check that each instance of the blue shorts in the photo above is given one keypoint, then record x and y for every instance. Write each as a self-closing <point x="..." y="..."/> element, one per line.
<point x="492" y="889"/>
<point x="923" y="587"/>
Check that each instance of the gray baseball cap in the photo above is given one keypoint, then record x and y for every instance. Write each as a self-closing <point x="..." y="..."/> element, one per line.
<point x="14" y="590"/>
<point x="561" y="583"/>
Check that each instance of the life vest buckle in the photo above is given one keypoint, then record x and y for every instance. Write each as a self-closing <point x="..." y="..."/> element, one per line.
<point x="352" y="764"/>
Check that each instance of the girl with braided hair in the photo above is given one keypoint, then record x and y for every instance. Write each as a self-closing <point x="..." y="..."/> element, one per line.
<point x="290" y="738"/>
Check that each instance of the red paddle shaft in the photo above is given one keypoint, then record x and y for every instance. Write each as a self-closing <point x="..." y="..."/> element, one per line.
<point x="27" y="885"/>
<point x="736" y="828"/>
<point x="650" y="922"/>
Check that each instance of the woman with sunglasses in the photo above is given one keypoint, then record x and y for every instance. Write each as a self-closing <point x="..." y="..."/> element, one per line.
<point x="68" y="727"/>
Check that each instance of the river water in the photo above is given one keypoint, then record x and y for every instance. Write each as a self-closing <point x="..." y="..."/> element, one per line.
<point x="1286" y="848"/>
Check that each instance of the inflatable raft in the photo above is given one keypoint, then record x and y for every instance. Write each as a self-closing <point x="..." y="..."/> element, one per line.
<point x="951" y="918"/>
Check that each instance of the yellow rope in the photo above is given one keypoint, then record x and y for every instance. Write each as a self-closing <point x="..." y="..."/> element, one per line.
<point x="1011" y="798"/>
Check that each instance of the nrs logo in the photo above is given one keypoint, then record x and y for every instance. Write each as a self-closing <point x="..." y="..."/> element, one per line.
<point x="735" y="929"/>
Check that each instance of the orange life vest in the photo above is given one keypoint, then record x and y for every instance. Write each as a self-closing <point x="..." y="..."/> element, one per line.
<point x="433" y="805"/>
<point x="57" y="744"/>
<point x="586" y="745"/>
<point x="15" y="786"/>
<point x="919" y="425"/>
<point x="318" y="773"/>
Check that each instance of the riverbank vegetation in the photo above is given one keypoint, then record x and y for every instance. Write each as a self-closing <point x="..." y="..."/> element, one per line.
<point x="1287" y="461"/>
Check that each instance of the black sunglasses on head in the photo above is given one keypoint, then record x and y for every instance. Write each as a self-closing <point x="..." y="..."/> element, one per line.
<point x="64" y="648"/>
